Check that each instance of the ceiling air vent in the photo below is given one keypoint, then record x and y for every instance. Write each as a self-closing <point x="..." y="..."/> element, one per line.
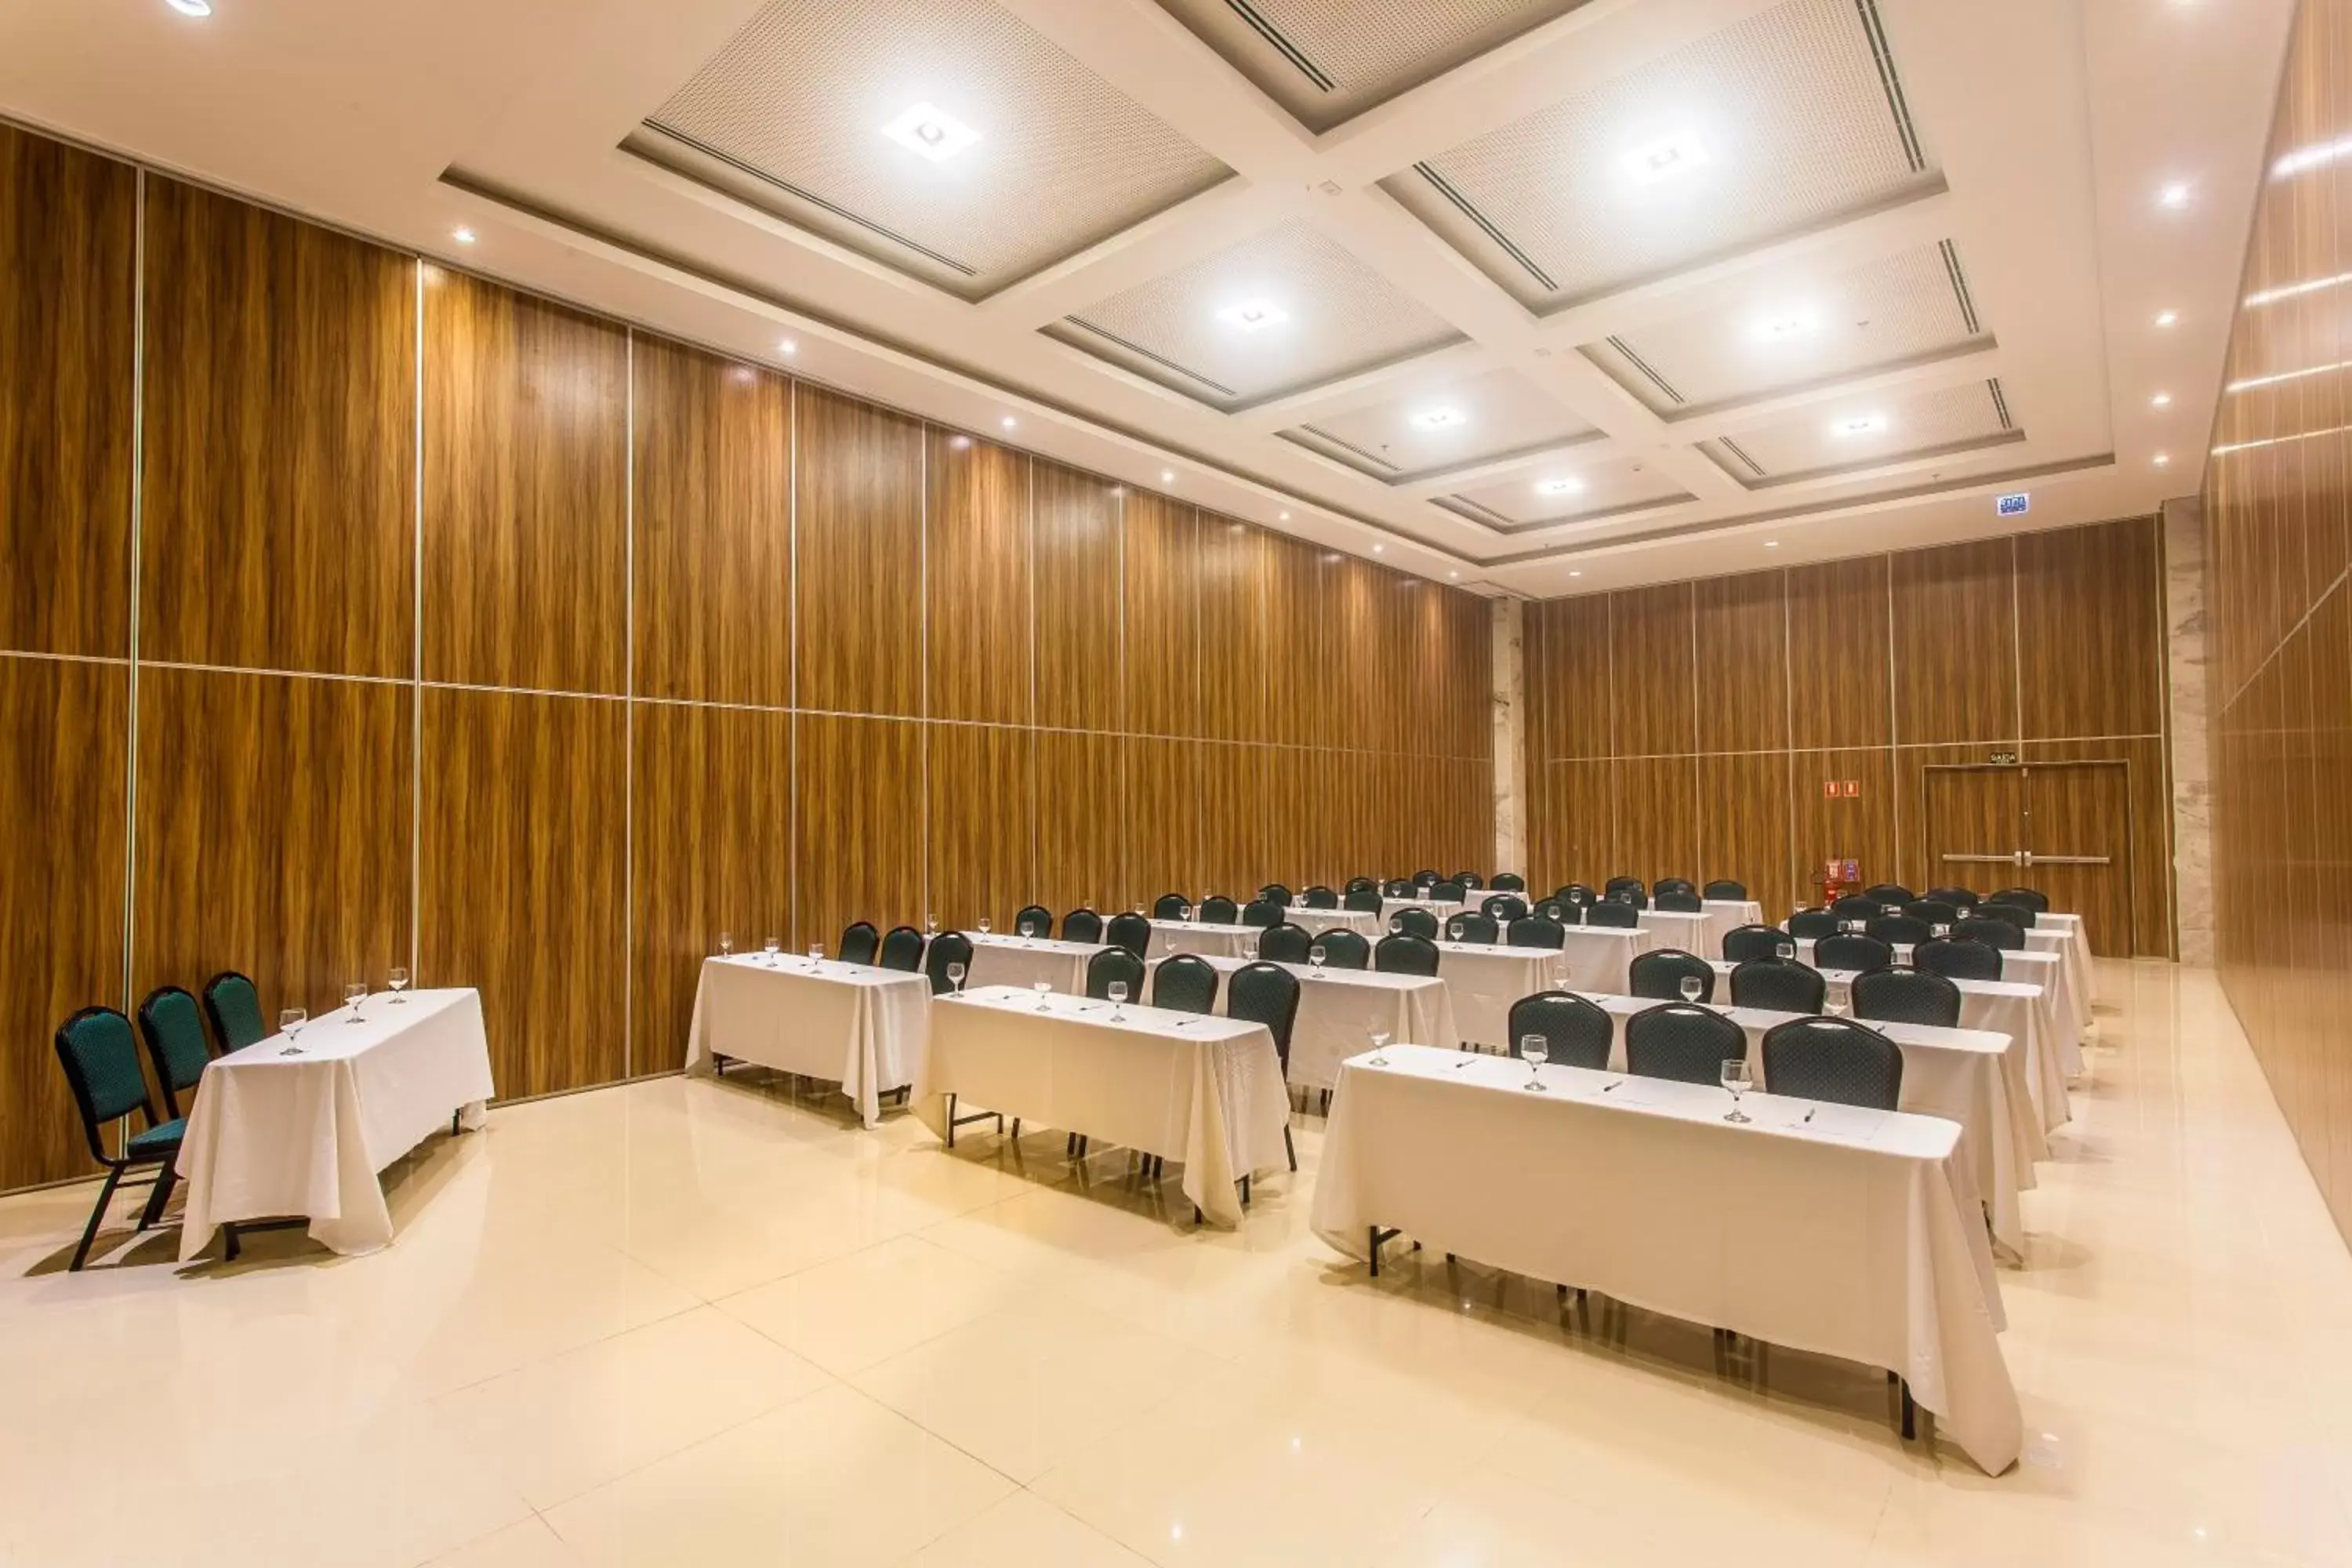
<point x="1740" y="452"/>
<point x="1897" y="104"/>
<point x="1486" y="514"/>
<point x="1139" y="351"/>
<point x="1486" y="226"/>
<point x="1960" y="287"/>
<point x="1648" y="372"/>
<point x="1999" y="404"/>
<point x="1349" y="446"/>
<point x="1282" y="45"/>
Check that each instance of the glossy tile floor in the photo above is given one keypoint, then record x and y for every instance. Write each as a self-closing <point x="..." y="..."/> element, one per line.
<point x="697" y="1324"/>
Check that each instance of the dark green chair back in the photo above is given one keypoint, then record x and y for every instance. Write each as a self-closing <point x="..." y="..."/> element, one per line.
<point x="1217" y="910"/>
<point x="101" y="1062"/>
<point x="233" y="1003"/>
<point x="903" y="949"/>
<point x="948" y="947"/>
<point x="859" y="942"/>
<point x="1036" y="916"/>
<point x="1342" y="950"/>
<point x="1184" y="983"/>
<point x="1414" y="922"/>
<point x="174" y="1032"/>
<point x="1114" y="963"/>
<point x="1082" y="924"/>
<point x="1402" y="952"/>
<point x="1283" y="943"/>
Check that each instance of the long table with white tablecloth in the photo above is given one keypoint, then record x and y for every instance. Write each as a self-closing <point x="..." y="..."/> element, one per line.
<point x="1338" y="1008"/>
<point x="862" y="1027"/>
<point x="1486" y="978"/>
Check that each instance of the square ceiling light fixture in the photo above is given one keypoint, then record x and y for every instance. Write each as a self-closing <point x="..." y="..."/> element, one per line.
<point x="1668" y="157"/>
<point x="1439" y="419"/>
<point x="930" y="131"/>
<point x="1858" y="424"/>
<point x="1570" y="486"/>
<point x="1253" y="315"/>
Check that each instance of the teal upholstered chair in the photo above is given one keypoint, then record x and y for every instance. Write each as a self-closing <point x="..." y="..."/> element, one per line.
<point x="174" y="1032"/>
<point x="233" y="1003"/>
<point x="101" y="1064"/>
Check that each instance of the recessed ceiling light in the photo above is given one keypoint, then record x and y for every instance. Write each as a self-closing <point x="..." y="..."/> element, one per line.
<point x="1253" y="315"/>
<point x="1167" y="476"/>
<point x="1010" y="422"/>
<point x="191" y="7"/>
<point x="1286" y="516"/>
<point x="462" y="236"/>
<point x="788" y="346"/>
<point x="2161" y="400"/>
<point x="2174" y="195"/>
<point x="931" y="132"/>
<point x="1780" y="329"/>
<point x="1576" y="573"/>
<point x="1771" y="544"/>
<point x="2312" y="157"/>
<point x="1570" y="486"/>
<point x="961" y="442"/>
<point x="1378" y="549"/>
<point x="1858" y="424"/>
<point x="2161" y="459"/>
<point x="1455" y="576"/>
<point x="2167" y="318"/>
<point x="2289" y="290"/>
<point x="1665" y="158"/>
<point x="1439" y="419"/>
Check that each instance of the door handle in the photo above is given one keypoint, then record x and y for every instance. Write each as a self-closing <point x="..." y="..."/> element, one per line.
<point x="1985" y="859"/>
<point x="2073" y="859"/>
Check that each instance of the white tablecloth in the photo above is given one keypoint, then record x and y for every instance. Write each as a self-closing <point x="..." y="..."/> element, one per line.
<point x="1001" y="960"/>
<point x="1961" y="1075"/>
<point x="1691" y="932"/>
<point x="1363" y="922"/>
<point x="1724" y="916"/>
<point x="2062" y="936"/>
<point x="1206" y="1091"/>
<point x="1208" y="940"/>
<point x="1338" y="1010"/>
<point x="1850" y="1236"/>
<point x="274" y="1136"/>
<point x="1441" y="912"/>
<point x="2058" y="1036"/>
<point x="1486" y="978"/>
<point x="861" y="1026"/>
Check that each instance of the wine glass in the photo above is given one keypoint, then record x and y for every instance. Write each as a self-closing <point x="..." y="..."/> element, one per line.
<point x="1940" y="931"/>
<point x="1560" y="977"/>
<point x="354" y="994"/>
<point x="983" y="925"/>
<point x="1316" y="955"/>
<point x="1535" y="1049"/>
<point x="1380" y="1038"/>
<point x="1784" y="951"/>
<point x="816" y="955"/>
<point x="1736" y="1079"/>
<point x="1691" y="988"/>
<point x="1836" y="1004"/>
<point x="1028" y="934"/>
<point x="772" y="947"/>
<point x="931" y="925"/>
<point x="1167" y="945"/>
<point x="290" y="1024"/>
<point x="1044" y="988"/>
<point x="955" y="977"/>
<point x="1453" y="930"/>
<point x="1396" y="925"/>
<point x="398" y="980"/>
<point x="726" y="944"/>
<point x="1117" y="999"/>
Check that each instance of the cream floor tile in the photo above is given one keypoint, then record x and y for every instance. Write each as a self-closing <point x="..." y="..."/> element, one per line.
<point x="528" y="1544"/>
<point x="559" y="1426"/>
<point x="848" y="1314"/>
<point x="1023" y="1532"/>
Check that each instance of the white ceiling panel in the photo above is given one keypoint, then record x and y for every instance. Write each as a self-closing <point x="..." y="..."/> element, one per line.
<point x="1566" y="491"/>
<point x="1843" y="438"/>
<point x="1448" y="424"/>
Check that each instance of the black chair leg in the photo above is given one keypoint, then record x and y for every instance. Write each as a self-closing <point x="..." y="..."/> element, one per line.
<point x="1017" y="1129"/>
<point x="161" y="1194"/>
<point x="1289" y="1148"/>
<point x="89" y="1231"/>
<point x="1910" y="1414"/>
<point x="230" y="1246"/>
<point x="1245" y="1192"/>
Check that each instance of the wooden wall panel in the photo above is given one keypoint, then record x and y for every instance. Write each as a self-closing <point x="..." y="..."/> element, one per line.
<point x="2090" y="629"/>
<point x="280" y="461"/>
<point x="1655" y="812"/>
<point x="1082" y="837"/>
<point x="859" y="625"/>
<point x="1568" y="661"/>
<point x="982" y="848"/>
<point x="1742" y="662"/>
<point x="1861" y="828"/>
<point x="2151" y="793"/>
<point x="1653" y="706"/>
<point x="274" y="817"/>
<point x="1163" y="624"/>
<point x="62" y="778"/>
<point x="1076" y="535"/>
<point x="1469" y="701"/>
<point x="1955" y="629"/>
<point x="1584" y="844"/>
<point x="976" y="580"/>
<point x="526" y="491"/>
<point x="1298" y="638"/>
<point x="521" y="858"/>
<point x="713" y="570"/>
<point x="1838" y="652"/>
<point x="1909" y="812"/>
<point x="1237" y="843"/>
<point x="857" y="823"/>
<point x="1748" y="828"/>
<point x="68" y="305"/>
<point x="1236" y="663"/>
<point x="710" y="851"/>
<point x="1162" y="818"/>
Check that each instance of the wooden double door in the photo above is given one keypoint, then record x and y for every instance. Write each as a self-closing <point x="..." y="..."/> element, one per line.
<point x="2062" y="827"/>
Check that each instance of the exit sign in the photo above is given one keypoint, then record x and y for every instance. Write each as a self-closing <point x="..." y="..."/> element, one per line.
<point x="2004" y="759"/>
<point x="2015" y="504"/>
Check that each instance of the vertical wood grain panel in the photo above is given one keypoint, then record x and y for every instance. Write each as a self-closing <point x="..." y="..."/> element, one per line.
<point x="858" y="823"/>
<point x="1655" y="810"/>
<point x="859" y="627"/>
<point x="526" y="504"/>
<point x="2090" y="606"/>
<point x="1568" y="675"/>
<point x="278" y="497"/>
<point x="521" y="861"/>
<point x="982" y="787"/>
<point x="714" y="528"/>
<point x="1161" y="817"/>
<point x="1162" y="601"/>
<point x="1838" y="654"/>
<point x="1077" y="545"/>
<point x="976" y="580"/>
<point x="1652" y="712"/>
<point x="1236" y="666"/>
<point x="1234" y="838"/>
<point x="67" y="308"/>
<point x="1954" y="641"/>
<point x="1747" y="828"/>
<point x="710" y="851"/>
<point x="62" y="776"/>
<point x="1297" y="637"/>
<point x="1861" y="828"/>
<point x="1584" y="843"/>
<point x="1743" y="662"/>
<point x="1082" y="835"/>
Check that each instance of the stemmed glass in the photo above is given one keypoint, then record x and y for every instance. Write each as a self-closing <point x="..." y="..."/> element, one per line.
<point x="1453" y="930"/>
<point x="726" y="944"/>
<point x="816" y="956"/>
<point x="1316" y="955"/>
<point x="1560" y="977"/>
<point x="1536" y="1049"/>
<point x="1940" y="931"/>
<point x="1380" y="1038"/>
<point x="931" y="925"/>
<point x="1834" y="1005"/>
<point x="1028" y="934"/>
<point x="398" y="980"/>
<point x="1736" y="1079"/>
<point x="1167" y="945"/>
<point x="354" y="994"/>
<point x="773" y="946"/>
<point x="1784" y="951"/>
<point x="983" y="925"/>
<point x="1044" y="988"/>
<point x="1118" y="998"/>
<point x="955" y="977"/>
<point x="1691" y="988"/>
<point x="1396" y="925"/>
<point x="290" y="1024"/>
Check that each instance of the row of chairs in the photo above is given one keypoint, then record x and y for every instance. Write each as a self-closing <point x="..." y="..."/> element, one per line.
<point x="1833" y="1059"/>
<point x="1909" y="993"/>
<point x="101" y="1059"/>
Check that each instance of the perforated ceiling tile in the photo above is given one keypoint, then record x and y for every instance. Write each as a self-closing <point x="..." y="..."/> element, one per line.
<point x="1789" y="121"/>
<point x="1948" y="419"/>
<point x="1443" y="424"/>
<point x="1329" y="60"/>
<point x="1281" y="311"/>
<point x="1564" y="492"/>
<point x="1898" y="308"/>
<point x="1020" y="156"/>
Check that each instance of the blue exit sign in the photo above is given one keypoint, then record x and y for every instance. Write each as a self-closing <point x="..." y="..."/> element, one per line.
<point x="2012" y="505"/>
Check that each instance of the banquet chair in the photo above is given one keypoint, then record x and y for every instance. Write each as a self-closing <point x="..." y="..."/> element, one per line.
<point x="1673" y="884"/>
<point x="1612" y="912"/>
<point x="2031" y="898"/>
<point x="1217" y="910"/>
<point x="1888" y="893"/>
<point x="1414" y="922"/>
<point x="2022" y="916"/>
<point x="1675" y="901"/>
<point x="1403" y="887"/>
<point x="1834" y="1059"/>
<point x="1357" y="884"/>
<point x="1262" y="913"/>
<point x="1958" y="958"/>
<point x="1578" y="893"/>
<point x="860" y="941"/>
<point x="1536" y="930"/>
<point x="1509" y="882"/>
<point x="1365" y="899"/>
<point x="1632" y="898"/>
<point x="1130" y="930"/>
<point x="1899" y="930"/>
<point x="1503" y="906"/>
<point x="1448" y="892"/>
<point x="1342" y="950"/>
<point x="1686" y="1043"/>
<point x="946" y="948"/>
<point x="2006" y="935"/>
<point x="1907" y="996"/>
<point x="1274" y="893"/>
<point x="1778" y="986"/>
<point x="1934" y="911"/>
<point x="1402" y="952"/>
<point x="1815" y="923"/>
<point x="1616" y="885"/>
<point x="1848" y="951"/>
<point x="1473" y="928"/>
<point x="101" y="1067"/>
<point x="233" y="1004"/>
<point x="1283" y="943"/>
<point x="1170" y="907"/>
<point x="1659" y="974"/>
<point x="1184" y="983"/>
<point x="174" y="1032"/>
<point x="1575" y="1033"/>
<point x="1319" y="896"/>
<point x="1082" y="924"/>
<point x="1563" y="915"/>
<point x="1960" y="898"/>
<point x="1470" y="880"/>
<point x="1114" y="964"/>
<point x="1263" y="993"/>
<point x="1743" y="943"/>
<point x="902" y="948"/>
<point x="1425" y="877"/>
<point x="1855" y="907"/>
<point x="1724" y="887"/>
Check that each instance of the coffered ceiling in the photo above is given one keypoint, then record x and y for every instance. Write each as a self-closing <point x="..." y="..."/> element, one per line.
<point x="1532" y="295"/>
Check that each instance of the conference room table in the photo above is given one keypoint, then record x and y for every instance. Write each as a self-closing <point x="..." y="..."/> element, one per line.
<point x="1202" y="1091"/>
<point x="1824" y="1228"/>
<point x="1001" y="960"/>
<point x="303" y="1127"/>
<point x="2059" y="1029"/>
<point x="1363" y="922"/>
<point x="1439" y="910"/>
<point x="1702" y="932"/>
<point x="855" y="1024"/>
<point x="1339" y="1008"/>
<point x="1201" y="937"/>
<point x="1486" y="978"/>
<point x="1970" y="1077"/>
<point x="2062" y="933"/>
